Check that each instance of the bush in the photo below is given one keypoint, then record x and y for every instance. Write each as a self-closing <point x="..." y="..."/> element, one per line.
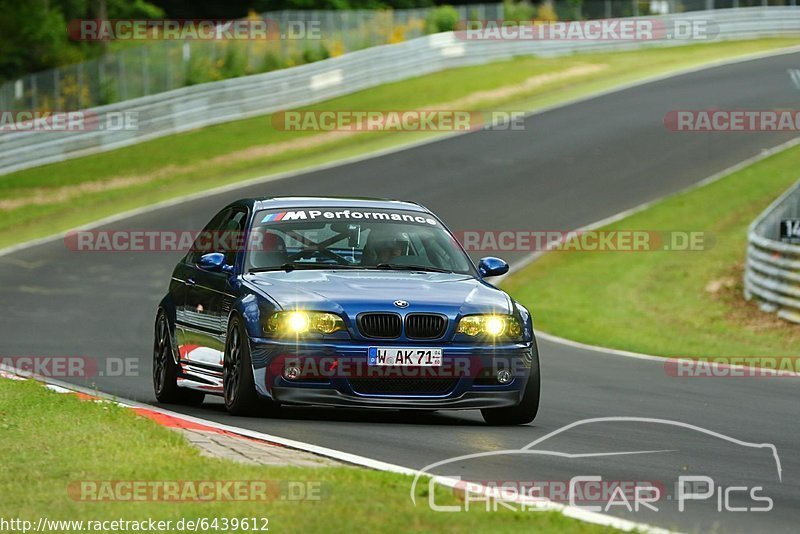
<point x="235" y="61"/>
<point x="310" y="55"/>
<point x="108" y="92"/>
<point x="442" y="19"/>
<point x="271" y="61"/>
<point x="518" y="11"/>
<point x="201" y="70"/>
<point x="547" y="11"/>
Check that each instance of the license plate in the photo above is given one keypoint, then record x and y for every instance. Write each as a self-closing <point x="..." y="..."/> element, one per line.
<point x="405" y="356"/>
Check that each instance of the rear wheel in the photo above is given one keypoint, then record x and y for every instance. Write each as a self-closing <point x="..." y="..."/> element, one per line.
<point x="526" y="410"/>
<point x="165" y="370"/>
<point x="238" y="385"/>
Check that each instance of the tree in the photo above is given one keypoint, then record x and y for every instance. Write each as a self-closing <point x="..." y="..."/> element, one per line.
<point x="33" y="33"/>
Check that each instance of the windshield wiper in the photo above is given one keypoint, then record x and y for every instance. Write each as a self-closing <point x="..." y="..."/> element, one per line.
<point x="291" y="266"/>
<point x="400" y="267"/>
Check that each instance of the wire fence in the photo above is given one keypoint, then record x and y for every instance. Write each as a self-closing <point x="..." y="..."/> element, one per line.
<point x="159" y="66"/>
<point x="202" y="105"/>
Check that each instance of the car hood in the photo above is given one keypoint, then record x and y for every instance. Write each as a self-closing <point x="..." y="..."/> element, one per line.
<point x="357" y="291"/>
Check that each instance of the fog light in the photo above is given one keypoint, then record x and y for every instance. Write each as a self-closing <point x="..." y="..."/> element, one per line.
<point x="504" y="376"/>
<point x="291" y="373"/>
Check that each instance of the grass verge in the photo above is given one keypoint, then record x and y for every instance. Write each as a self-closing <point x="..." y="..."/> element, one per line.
<point x="51" y="440"/>
<point x="40" y="201"/>
<point x="669" y="303"/>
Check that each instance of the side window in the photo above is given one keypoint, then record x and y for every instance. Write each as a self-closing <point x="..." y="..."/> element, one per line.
<point x="207" y="239"/>
<point x="232" y="237"/>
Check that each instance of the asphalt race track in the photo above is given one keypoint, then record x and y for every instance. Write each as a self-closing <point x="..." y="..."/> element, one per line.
<point x="571" y="166"/>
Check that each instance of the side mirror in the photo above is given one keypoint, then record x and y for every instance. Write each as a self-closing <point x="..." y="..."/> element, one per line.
<point x="491" y="266"/>
<point x="214" y="262"/>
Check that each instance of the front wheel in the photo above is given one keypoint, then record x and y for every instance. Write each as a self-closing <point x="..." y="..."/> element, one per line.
<point x="165" y="370"/>
<point x="238" y="384"/>
<point x="526" y="410"/>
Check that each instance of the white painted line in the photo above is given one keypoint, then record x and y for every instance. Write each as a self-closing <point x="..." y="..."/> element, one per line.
<point x="527" y="260"/>
<point x="57" y="389"/>
<point x="764" y="154"/>
<point x="764" y="371"/>
<point x="573" y="512"/>
<point x="378" y="153"/>
<point x="10" y="376"/>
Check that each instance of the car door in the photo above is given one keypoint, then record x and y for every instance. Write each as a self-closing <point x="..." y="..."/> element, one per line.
<point x="209" y="297"/>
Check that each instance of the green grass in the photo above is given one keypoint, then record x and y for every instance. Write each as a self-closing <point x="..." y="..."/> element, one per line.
<point x="201" y="159"/>
<point x="667" y="302"/>
<point x="50" y="440"/>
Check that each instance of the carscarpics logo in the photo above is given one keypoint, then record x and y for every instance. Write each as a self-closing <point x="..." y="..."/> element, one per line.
<point x="350" y="215"/>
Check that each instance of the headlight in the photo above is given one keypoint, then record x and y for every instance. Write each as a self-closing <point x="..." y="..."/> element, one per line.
<point x="287" y="323"/>
<point x="493" y="326"/>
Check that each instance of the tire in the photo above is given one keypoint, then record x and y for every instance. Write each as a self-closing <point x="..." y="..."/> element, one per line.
<point x="526" y="410"/>
<point x="165" y="370"/>
<point x="238" y="385"/>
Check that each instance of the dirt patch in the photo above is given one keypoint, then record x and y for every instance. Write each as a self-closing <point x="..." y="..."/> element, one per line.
<point x="747" y="313"/>
<point x="47" y="195"/>
<point x="527" y="85"/>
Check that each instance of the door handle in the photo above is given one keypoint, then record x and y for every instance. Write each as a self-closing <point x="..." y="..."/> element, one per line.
<point x="189" y="282"/>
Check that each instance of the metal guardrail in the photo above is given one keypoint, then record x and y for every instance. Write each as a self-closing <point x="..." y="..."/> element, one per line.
<point x="772" y="271"/>
<point x="193" y="107"/>
<point x="158" y="66"/>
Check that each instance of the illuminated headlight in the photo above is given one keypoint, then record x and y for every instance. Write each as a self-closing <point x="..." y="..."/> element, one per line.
<point x="300" y="322"/>
<point x="493" y="326"/>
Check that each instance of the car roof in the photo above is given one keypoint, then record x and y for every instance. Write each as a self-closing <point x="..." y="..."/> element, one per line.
<point x="332" y="202"/>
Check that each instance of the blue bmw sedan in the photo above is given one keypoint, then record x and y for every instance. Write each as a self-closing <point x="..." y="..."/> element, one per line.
<point x="354" y="303"/>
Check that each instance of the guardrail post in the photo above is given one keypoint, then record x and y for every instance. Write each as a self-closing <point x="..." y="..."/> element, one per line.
<point x="55" y="90"/>
<point x="34" y="94"/>
<point x="145" y="70"/>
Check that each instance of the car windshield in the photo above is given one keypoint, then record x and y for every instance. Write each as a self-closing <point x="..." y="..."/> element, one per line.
<point x="351" y="238"/>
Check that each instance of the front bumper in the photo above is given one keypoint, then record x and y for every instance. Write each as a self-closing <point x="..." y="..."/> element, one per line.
<point x="469" y="400"/>
<point x="466" y="379"/>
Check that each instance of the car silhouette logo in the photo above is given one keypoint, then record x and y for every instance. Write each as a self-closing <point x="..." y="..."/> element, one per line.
<point x="401" y="303"/>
